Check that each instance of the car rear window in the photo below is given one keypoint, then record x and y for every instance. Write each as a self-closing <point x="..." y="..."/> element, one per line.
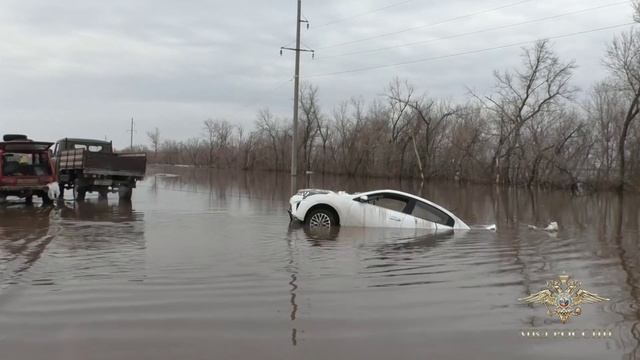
<point x="25" y="164"/>
<point x="430" y="213"/>
<point x="91" y="148"/>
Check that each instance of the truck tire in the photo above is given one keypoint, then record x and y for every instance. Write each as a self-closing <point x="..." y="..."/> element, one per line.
<point x="28" y="200"/>
<point x="79" y="191"/>
<point x="61" y="187"/>
<point x="125" y="192"/>
<point x="103" y="193"/>
<point x="46" y="200"/>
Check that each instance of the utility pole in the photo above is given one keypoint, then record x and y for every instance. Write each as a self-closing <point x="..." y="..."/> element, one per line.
<point x="296" y="93"/>
<point x="132" y="130"/>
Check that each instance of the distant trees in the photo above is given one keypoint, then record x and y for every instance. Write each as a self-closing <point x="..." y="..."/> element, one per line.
<point x="531" y="130"/>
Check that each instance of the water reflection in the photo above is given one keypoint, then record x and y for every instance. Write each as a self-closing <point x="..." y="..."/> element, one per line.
<point x="629" y="257"/>
<point x="99" y="225"/>
<point x="597" y="233"/>
<point x="95" y="236"/>
<point x="207" y="260"/>
<point x="24" y="236"/>
<point x="99" y="211"/>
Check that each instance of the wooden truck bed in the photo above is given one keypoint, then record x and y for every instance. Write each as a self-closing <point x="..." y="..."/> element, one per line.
<point x="104" y="164"/>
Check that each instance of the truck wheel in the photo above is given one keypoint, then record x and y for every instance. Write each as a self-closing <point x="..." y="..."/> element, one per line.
<point x="125" y="193"/>
<point x="46" y="200"/>
<point x="103" y="194"/>
<point x="79" y="193"/>
<point x="28" y="200"/>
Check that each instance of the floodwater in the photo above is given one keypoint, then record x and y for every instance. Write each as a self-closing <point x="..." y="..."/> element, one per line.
<point x="205" y="265"/>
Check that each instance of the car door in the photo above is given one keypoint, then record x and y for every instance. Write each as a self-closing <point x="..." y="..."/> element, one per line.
<point x="385" y="210"/>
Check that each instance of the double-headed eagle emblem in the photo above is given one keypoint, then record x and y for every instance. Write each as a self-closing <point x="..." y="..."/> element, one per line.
<point x="563" y="298"/>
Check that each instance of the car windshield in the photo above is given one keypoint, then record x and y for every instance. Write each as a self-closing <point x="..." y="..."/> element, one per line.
<point x="25" y="164"/>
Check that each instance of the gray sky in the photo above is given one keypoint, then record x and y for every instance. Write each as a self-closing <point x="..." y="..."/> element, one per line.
<point x="84" y="68"/>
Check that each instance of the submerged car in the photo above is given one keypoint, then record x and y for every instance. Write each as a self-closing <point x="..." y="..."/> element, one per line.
<point x="379" y="208"/>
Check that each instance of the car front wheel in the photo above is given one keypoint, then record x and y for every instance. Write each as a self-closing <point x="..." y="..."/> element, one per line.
<point x="321" y="218"/>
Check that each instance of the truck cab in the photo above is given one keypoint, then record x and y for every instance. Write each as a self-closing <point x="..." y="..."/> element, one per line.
<point x="26" y="168"/>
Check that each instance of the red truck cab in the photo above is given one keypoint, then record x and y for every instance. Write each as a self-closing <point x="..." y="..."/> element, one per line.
<point x="26" y="168"/>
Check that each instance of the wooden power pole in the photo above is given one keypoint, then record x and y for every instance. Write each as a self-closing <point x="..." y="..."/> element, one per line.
<point x="132" y="130"/>
<point x="296" y="93"/>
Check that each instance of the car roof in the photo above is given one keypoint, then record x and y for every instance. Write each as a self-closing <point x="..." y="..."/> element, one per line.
<point x="84" y="141"/>
<point x="457" y="219"/>
<point x="21" y="145"/>
<point x="407" y="195"/>
<point x="394" y="192"/>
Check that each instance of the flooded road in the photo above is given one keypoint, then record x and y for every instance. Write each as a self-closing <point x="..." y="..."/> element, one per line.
<point x="204" y="265"/>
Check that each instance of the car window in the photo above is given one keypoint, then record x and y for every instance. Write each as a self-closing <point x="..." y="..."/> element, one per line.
<point x="389" y="201"/>
<point x="91" y="148"/>
<point x="430" y="213"/>
<point x="25" y="164"/>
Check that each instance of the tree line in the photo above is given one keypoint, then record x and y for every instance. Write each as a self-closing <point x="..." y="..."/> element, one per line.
<point x="534" y="129"/>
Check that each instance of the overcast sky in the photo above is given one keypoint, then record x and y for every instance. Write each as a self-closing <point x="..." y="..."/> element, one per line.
<point x="84" y="68"/>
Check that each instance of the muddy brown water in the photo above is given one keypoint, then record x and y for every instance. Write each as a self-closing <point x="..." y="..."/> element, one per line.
<point x="205" y="265"/>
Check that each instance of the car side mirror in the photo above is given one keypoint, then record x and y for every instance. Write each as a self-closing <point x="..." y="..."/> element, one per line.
<point x="364" y="198"/>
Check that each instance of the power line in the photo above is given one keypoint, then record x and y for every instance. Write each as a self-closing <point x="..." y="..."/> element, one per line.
<point x="269" y="90"/>
<point x="468" y="52"/>
<point x="333" y="22"/>
<point x="369" y="51"/>
<point x="427" y="25"/>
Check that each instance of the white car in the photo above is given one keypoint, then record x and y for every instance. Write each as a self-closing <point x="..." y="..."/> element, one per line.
<point x="379" y="208"/>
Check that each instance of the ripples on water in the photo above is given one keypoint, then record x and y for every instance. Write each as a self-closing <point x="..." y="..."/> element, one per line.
<point x="206" y="266"/>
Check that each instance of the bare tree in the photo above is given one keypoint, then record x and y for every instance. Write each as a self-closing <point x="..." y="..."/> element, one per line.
<point x="623" y="60"/>
<point x="210" y="139"/>
<point x="399" y="95"/>
<point x="309" y="121"/>
<point x="217" y="137"/>
<point x="268" y="126"/>
<point x="521" y="96"/>
<point x="606" y="113"/>
<point x="192" y="148"/>
<point x="154" y="138"/>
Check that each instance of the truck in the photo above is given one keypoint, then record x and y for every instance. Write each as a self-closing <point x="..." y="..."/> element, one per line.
<point x="26" y="168"/>
<point x="88" y="165"/>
